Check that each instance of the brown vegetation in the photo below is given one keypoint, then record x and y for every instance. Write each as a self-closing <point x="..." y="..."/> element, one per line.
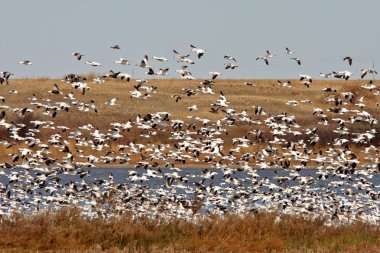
<point x="67" y="231"/>
<point x="267" y="93"/>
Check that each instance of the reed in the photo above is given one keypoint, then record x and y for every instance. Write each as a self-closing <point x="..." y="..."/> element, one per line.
<point x="67" y="231"/>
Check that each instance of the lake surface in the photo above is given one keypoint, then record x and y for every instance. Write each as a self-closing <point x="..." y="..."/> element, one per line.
<point x="189" y="192"/>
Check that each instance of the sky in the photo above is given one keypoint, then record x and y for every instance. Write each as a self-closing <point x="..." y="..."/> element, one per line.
<point x="321" y="33"/>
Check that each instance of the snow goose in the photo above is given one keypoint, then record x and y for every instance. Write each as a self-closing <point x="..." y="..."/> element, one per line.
<point x="325" y="75"/>
<point x="144" y="62"/>
<point x="349" y="59"/>
<point x="369" y="86"/>
<point x="150" y="72"/>
<point x="112" y="74"/>
<point x="342" y="74"/>
<point x="230" y="66"/>
<point x="269" y="55"/>
<point x="176" y="97"/>
<point x="163" y="72"/>
<point x="214" y="74"/>
<point x="182" y="58"/>
<point x="98" y="80"/>
<point x="26" y="62"/>
<point x="111" y="102"/>
<point x="93" y="63"/>
<point x="77" y="55"/>
<point x="264" y="58"/>
<point x="288" y="51"/>
<point x="193" y="108"/>
<point x="178" y="55"/>
<point x="122" y="61"/>
<point x="160" y="58"/>
<point x="305" y="77"/>
<point x="198" y="51"/>
<point x="115" y="47"/>
<point x="124" y="76"/>
<point x="366" y="71"/>
<point x="298" y="60"/>
<point x="284" y="84"/>
<point x="183" y="71"/>
<point x="55" y="90"/>
<point x="6" y="76"/>
<point x="83" y="87"/>
<point x="228" y="57"/>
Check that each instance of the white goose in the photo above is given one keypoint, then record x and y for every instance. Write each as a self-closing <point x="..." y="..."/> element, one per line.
<point x="144" y="62"/>
<point x="26" y="62"/>
<point x="163" y="72"/>
<point x="162" y="59"/>
<point x="77" y="55"/>
<point x="298" y="60"/>
<point x="214" y="74"/>
<point x="93" y="63"/>
<point x="288" y="51"/>
<point x="198" y="51"/>
<point x="122" y="61"/>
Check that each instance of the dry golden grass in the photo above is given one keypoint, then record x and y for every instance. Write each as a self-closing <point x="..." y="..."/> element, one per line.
<point x="67" y="231"/>
<point x="241" y="97"/>
<point x="267" y="94"/>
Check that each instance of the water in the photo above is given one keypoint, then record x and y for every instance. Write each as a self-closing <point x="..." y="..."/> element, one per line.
<point x="188" y="192"/>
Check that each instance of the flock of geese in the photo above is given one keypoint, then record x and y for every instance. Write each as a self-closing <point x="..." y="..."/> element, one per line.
<point x="275" y="166"/>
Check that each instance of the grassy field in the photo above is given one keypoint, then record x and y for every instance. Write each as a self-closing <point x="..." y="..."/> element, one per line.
<point x="266" y="93"/>
<point x="66" y="231"/>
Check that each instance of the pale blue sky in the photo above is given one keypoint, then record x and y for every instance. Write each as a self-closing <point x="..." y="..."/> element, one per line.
<point x="321" y="32"/>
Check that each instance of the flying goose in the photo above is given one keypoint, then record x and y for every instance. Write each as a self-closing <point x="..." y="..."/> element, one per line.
<point x="199" y="52"/>
<point x="112" y="74"/>
<point x="250" y="84"/>
<point x="288" y="51"/>
<point x="228" y="57"/>
<point x="304" y="77"/>
<point x="144" y="62"/>
<point x="183" y="70"/>
<point x="230" y="66"/>
<point x="327" y="75"/>
<point x="349" y="59"/>
<point x="77" y="55"/>
<point x="98" y="80"/>
<point x="162" y="59"/>
<point x="111" y="102"/>
<point x="214" y="74"/>
<point x="122" y="61"/>
<point x="26" y="62"/>
<point x="264" y="58"/>
<point x="365" y="71"/>
<point x="178" y="55"/>
<point x="55" y="90"/>
<point x="6" y="76"/>
<point x="93" y="63"/>
<point x="115" y="47"/>
<point x="150" y="72"/>
<point x="176" y="97"/>
<point x="298" y="60"/>
<point x="284" y="84"/>
<point x="369" y="86"/>
<point x="269" y="55"/>
<point x="124" y="76"/>
<point x="163" y="72"/>
<point x="342" y="74"/>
